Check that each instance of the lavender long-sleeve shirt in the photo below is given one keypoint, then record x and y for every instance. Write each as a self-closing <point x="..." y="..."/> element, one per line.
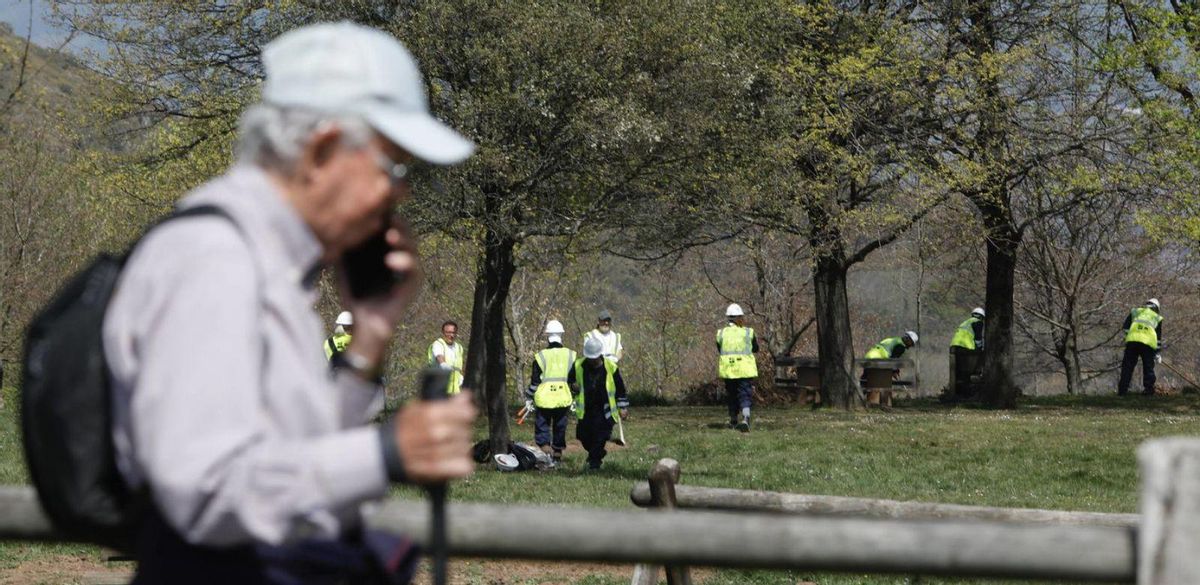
<point x="223" y="403"/>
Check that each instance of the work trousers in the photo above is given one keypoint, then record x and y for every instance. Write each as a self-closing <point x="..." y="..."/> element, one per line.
<point x="1134" y="351"/>
<point x="739" y="393"/>
<point x="593" y="432"/>
<point x="550" y="428"/>
<point x="361" y="558"/>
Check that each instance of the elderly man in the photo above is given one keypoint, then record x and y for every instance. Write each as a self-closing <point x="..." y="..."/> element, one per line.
<point x="255" y="455"/>
<point x="611" y="340"/>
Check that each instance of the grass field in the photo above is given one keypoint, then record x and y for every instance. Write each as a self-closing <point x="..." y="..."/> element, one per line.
<point x="1065" y="453"/>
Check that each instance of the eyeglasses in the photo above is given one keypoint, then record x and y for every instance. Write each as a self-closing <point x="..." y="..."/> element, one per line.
<point x="397" y="172"/>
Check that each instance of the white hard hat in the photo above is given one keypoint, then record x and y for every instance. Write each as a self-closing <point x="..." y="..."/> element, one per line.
<point x="977" y="312"/>
<point x="506" y="462"/>
<point x="1153" y="303"/>
<point x="554" y="327"/>
<point x="911" y="335"/>
<point x="593" y="348"/>
<point x="734" y="310"/>
<point x="344" y="318"/>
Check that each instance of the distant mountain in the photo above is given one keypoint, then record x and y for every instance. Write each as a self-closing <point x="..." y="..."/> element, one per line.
<point x="49" y="80"/>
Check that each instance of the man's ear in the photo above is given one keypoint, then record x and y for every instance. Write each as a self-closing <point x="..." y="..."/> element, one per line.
<point x="321" y="147"/>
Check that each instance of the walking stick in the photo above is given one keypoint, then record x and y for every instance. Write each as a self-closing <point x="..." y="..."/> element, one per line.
<point x="433" y="387"/>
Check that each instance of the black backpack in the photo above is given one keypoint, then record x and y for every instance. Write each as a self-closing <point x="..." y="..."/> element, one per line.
<point x="66" y="414"/>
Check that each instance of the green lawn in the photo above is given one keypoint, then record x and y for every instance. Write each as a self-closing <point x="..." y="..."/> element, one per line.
<point x="1066" y="453"/>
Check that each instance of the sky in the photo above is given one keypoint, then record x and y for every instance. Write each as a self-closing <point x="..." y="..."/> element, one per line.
<point x="17" y="13"/>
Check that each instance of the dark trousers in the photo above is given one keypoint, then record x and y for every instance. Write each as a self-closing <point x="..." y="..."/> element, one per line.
<point x="1134" y="351"/>
<point x="739" y="393"/>
<point x="550" y="427"/>
<point x="364" y="558"/>
<point x="593" y="432"/>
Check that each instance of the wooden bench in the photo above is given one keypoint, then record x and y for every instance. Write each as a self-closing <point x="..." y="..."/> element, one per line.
<point x="881" y="377"/>
<point x="799" y="375"/>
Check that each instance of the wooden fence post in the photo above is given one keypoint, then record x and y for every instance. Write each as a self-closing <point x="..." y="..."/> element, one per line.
<point x="663" y="477"/>
<point x="1170" y="529"/>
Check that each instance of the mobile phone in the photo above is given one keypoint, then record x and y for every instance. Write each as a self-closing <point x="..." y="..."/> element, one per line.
<point x="367" y="271"/>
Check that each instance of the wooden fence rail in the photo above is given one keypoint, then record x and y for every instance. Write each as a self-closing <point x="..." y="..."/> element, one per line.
<point x="706" y="498"/>
<point x="723" y="539"/>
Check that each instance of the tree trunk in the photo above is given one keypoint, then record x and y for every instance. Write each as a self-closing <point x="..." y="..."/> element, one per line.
<point x="999" y="390"/>
<point x="486" y="370"/>
<point x="1071" y="365"/>
<point x="835" y="346"/>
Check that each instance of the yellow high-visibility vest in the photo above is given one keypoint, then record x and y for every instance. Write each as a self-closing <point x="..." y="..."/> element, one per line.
<point x="553" y="391"/>
<point x="1143" y="326"/>
<point x="610" y="384"/>
<point x="737" y="353"/>
<point x="883" y="349"/>
<point x="964" y="336"/>
<point x="336" y="344"/>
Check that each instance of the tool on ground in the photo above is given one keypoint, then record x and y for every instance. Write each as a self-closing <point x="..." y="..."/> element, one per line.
<point x="1180" y="374"/>
<point x="434" y="382"/>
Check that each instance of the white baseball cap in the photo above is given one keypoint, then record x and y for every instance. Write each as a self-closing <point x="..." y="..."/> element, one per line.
<point x="345" y="68"/>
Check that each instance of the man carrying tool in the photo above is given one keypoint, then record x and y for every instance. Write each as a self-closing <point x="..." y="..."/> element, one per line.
<point x="445" y="352"/>
<point x="549" y="394"/>
<point x="736" y="346"/>
<point x="1143" y="332"/>
<point x="613" y="349"/>
<point x="600" y="399"/>
<point x="892" y="347"/>
<point x="257" y="457"/>
<point x="343" y="332"/>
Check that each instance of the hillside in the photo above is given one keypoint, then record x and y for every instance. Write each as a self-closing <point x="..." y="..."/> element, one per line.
<point x="50" y="80"/>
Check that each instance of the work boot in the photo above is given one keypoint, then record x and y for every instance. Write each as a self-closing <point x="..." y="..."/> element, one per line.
<point x="744" y="426"/>
<point x="557" y="457"/>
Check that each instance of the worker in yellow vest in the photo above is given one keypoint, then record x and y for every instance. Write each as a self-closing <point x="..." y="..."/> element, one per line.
<point x="549" y="395"/>
<point x="613" y="349"/>
<point x="969" y="335"/>
<point x="600" y="399"/>
<point x="342" y="333"/>
<point x="967" y="347"/>
<point x="736" y="346"/>
<point x="1143" y="334"/>
<point x="447" y="353"/>
<point x="892" y="347"/>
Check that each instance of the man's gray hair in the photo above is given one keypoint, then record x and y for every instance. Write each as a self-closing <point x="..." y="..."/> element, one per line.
<point x="272" y="137"/>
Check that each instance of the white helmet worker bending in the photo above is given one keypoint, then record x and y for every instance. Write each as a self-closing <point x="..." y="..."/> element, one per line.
<point x="977" y="312"/>
<point x="734" y="310"/>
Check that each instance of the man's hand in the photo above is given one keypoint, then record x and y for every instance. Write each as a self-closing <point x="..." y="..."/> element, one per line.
<point x="529" y="406"/>
<point x="375" y="318"/>
<point x="434" y="439"/>
<point x="1157" y="359"/>
<point x="624" y="414"/>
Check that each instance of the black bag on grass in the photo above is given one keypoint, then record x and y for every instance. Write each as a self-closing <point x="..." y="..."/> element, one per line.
<point x="66" y="414"/>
